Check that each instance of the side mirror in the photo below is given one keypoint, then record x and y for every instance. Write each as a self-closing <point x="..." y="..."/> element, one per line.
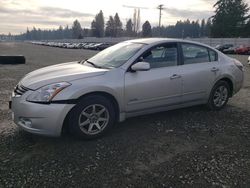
<point x="140" y="66"/>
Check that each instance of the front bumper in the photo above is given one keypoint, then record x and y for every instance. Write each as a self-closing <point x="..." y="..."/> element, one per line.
<point x="42" y="119"/>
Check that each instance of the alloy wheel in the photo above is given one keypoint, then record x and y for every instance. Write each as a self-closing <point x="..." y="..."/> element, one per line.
<point x="220" y="96"/>
<point x="93" y="119"/>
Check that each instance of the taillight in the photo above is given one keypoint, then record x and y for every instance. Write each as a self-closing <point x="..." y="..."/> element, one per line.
<point x="238" y="64"/>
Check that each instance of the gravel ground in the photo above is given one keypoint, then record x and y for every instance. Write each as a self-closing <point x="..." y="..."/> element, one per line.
<point x="190" y="147"/>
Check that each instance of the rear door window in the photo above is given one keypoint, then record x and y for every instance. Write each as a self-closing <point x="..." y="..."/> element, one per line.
<point x="194" y="54"/>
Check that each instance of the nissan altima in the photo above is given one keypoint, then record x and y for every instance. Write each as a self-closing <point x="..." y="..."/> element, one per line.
<point x="131" y="78"/>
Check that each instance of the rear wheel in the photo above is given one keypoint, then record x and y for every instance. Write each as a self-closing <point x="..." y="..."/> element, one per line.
<point x="219" y="96"/>
<point x="92" y="117"/>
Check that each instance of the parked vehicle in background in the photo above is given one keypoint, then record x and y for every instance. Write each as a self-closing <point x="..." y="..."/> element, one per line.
<point x="95" y="46"/>
<point x="230" y="50"/>
<point x="84" y="45"/>
<point x="242" y="50"/>
<point x="248" y="62"/>
<point x="104" y="46"/>
<point x="223" y="47"/>
<point x="131" y="78"/>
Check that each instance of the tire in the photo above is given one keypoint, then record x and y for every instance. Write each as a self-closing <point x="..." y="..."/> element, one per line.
<point x="85" y="124"/>
<point x="18" y="59"/>
<point x="219" y="96"/>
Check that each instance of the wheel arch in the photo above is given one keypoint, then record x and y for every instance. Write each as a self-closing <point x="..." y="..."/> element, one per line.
<point x="107" y="95"/>
<point x="230" y="83"/>
<point x="227" y="78"/>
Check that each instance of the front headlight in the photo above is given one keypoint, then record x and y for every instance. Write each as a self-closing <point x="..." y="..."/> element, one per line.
<point x="47" y="93"/>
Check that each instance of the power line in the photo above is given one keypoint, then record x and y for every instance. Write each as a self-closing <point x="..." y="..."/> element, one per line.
<point x="129" y="6"/>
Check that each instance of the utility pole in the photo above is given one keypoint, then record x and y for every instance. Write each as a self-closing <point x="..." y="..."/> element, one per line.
<point x="160" y="7"/>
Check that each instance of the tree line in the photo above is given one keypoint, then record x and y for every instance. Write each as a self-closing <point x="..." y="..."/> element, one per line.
<point x="231" y="19"/>
<point x="114" y="28"/>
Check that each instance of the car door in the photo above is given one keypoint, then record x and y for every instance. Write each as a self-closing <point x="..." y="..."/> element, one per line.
<point x="159" y="86"/>
<point x="199" y="70"/>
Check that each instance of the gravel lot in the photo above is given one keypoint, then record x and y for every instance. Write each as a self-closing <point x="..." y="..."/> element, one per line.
<point x="190" y="147"/>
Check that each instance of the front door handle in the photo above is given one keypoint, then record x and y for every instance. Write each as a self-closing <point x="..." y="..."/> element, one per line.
<point x="175" y="76"/>
<point x="214" y="69"/>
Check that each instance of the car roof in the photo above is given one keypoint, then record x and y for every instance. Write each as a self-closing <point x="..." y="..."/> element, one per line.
<point x="153" y="40"/>
<point x="163" y="40"/>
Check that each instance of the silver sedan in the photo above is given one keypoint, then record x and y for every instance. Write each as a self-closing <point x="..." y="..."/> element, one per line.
<point x="128" y="79"/>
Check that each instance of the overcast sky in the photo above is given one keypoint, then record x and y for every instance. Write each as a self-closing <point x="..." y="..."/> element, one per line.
<point x="17" y="15"/>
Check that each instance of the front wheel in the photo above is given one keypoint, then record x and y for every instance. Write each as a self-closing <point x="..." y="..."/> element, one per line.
<point x="219" y="96"/>
<point x="92" y="117"/>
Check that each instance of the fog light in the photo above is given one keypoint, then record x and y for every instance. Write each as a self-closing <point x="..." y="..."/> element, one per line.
<point x="25" y="121"/>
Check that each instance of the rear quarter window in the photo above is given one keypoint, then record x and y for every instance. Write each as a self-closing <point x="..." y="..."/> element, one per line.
<point x="213" y="55"/>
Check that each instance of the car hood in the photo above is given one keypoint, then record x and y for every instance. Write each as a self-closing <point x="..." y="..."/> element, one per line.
<point x="64" y="72"/>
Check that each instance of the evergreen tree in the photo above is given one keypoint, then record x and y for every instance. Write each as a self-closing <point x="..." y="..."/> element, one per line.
<point x="230" y="16"/>
<point x="203" y="28"/>
<point x="60" y="32"/>
<point x="146" y="29"/>
<point x="208" y="28"/>
<point x="129" y="28"/>
<point x="196" y="30"/>
<point x="28" y="36"/>
<point x="67" y="32"/>
<point x="246" y="30"/>
<point x="77" y="30"/>
<point x="97" y="25"/>
<point x="118" y="26"/>
<point x="110" y="26"/>
<point x="93" y="28"/>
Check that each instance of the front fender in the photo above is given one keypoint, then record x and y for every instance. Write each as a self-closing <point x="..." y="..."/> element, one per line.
<point x="83" y="87"/>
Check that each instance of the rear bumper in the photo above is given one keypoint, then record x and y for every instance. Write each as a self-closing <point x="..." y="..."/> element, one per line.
<point x="42" y="119"/>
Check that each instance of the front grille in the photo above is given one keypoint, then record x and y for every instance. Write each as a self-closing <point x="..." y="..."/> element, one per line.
<point x="20" y="90"/>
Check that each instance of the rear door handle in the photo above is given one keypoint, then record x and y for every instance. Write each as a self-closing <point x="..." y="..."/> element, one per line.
<point x="175" y="76"/>
<point x="214" y="69"/>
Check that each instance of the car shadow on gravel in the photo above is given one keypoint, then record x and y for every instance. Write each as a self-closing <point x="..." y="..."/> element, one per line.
<point x="134" y="151"/>
<point x="132" y="127"/>
<point x="179" y="119"/>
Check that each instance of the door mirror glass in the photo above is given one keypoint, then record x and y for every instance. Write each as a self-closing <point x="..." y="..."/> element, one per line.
<point x="141" y="66"/>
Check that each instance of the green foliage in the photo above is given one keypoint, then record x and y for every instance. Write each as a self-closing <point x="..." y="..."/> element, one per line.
<point x="113" y="26"/>
<point x="97" y="25"/>
<point x="230" y="18"/>
<point x="184" y="29"/>
<point x="146" y="29"/>
<point x="118" y="26"/>
<point x="203" y="28"/>
<point x="76" y="30"/>
<point x="129" y="28"/>
<point x="110" y="27"/>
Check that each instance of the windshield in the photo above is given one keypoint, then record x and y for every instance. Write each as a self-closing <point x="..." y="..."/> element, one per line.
<point x="116" y="55"/>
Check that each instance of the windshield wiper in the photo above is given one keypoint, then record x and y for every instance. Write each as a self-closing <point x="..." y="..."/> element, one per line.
<point x="91" y="63"/>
